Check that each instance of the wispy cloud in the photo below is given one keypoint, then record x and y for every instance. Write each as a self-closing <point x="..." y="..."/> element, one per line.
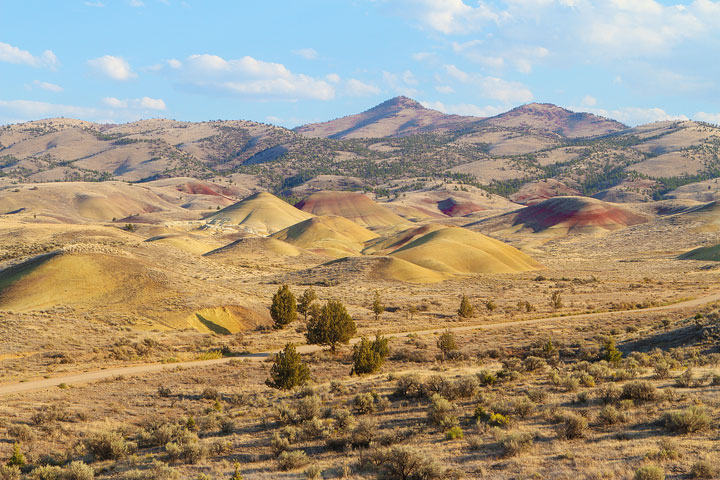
<point x="246" y="77"/>
<point x="12" y="54"/>
<point x="50" y="87"/>
<point x="306" y="53"/>
<point x="144" y="103"/>
<point x="491" y="87"/>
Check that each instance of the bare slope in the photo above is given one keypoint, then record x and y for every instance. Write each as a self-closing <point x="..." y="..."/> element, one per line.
<point x="398" y="116"/>
<point x="711" y="253"/>
<point x="261" y="213"/>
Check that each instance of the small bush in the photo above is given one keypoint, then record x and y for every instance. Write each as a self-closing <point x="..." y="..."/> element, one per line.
<point x="404" y="463"/>
<point x="610" y="415"/>
<point x="409" y="386"/>
<point x="516" y="442"/>
<point x="78" y="470"/>
<point x="704" y="469"/>
<point x="649" y="472"/>
<point x="667" y="450"/>
<point x="685" y="379"/>
<point x="523" y="407"/>
<point x="21" y="433"/>
<point x="441" y="412"/>
<point x="498" y="420"/>
<point x="572" y="426"/>
<point x="364" y="433"/>
<point x="109" y="446"/>
<point x="46" y="472"/>
<point x="690" y="420"/>
<point x="292" y="460"/>
<point x="610" y="393"/>
<point x="313" y="472"/>
<point x="639" y="391"/>
<point x="454" y="433"/>
<point x="364" y="403"/>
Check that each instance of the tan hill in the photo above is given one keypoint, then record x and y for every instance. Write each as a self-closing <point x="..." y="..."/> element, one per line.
<point x="256" y="247"/>
<point x="261" y="213"/>
<point x="71" y="202"/>
<point x="327" y="235"/>
<point x="711" y="253"/>
<point x="548" y="117"/>
<point x="195" y="244"/>
<point x="536" y="192"/>
<point x="351" y="205"/>
<point x="456" y="250"/>
<point x="425" y="205"/>
<point x="389" y="243"/>
<point x="564" y="215"/>
<point x="398" y="116"/>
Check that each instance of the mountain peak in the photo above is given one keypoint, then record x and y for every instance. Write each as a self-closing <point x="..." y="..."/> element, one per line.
<point x="400" y="101"/>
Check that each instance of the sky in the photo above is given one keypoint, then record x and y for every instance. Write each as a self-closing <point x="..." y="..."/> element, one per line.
<point x="291" y="62"/>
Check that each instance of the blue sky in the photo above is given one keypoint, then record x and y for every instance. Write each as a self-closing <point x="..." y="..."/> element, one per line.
<point x="292" y="62"/>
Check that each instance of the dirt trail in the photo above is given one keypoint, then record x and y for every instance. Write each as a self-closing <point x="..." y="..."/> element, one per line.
<point x="261" y="356"/>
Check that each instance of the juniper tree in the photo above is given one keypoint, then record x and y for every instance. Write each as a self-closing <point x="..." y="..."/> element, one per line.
<point x="369" y="357"/>
<point x="305" y="302"/>
<point x="330" y="325"/>
<point x="377" y="307"/>
<point x="284" y="308"/>
<point x="466" y="309"/>
<point x="288" y="371"/>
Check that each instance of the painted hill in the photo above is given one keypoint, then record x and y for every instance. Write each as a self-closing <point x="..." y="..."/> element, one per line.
<point x="327" y="235"/>
<point x="256" y="247"/>
<point x="398" y="116"/>
<point x="563" y="215"/>
<point x="351" y="205"/>
<point x="369" y="268"/>
<point x="262" y="213"/>
<point x="549" y="117"/>
<point x="457" y="250"/>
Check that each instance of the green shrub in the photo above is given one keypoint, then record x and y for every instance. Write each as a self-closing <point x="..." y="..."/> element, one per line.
<point x="46" y="472"/>
<point x="487" y="378"/>
<point x="523" y="407"/>
<point x="649" y="472"/>
<point x="330" y="325"/>
<point x="313" y="472"/>
<point x="364" y="403"/>
<point x="284" y="307"/>
<point x="454" y="433"/>
<point x="610" y="353"/>
<point x="466" y="309"/>
<point x="610" y="415"/>
<point x="690" y="420"/>
<point x="685" y="379"/>
<point x="498" y="420"/>
<point x="610" y="393"/>
<point x="446" y="343"/>
<point x="409" y="386"/>
<point x="17" y="459"/>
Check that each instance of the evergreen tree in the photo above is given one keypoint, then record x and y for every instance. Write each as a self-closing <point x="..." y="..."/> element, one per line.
<point x="466" y="309"/>
<point x="330" y="325"/>
<point x="284" y="308"/>
<point x="369" y="357"/>
<point x="377" y="307"/>
<point x="288" y="371"/>
<point x="305" y="302"/>
<point x="610" y="352"/>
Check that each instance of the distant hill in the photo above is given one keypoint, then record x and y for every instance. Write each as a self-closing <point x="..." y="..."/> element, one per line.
<point x="399" y="116"/>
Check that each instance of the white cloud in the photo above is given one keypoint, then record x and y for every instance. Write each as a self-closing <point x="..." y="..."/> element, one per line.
<point x="50" y="87"/>
<point x="466" y="109"/>
<point x="708" y="117"/>
<point x="588" y="101"/>
<point x="492" y="87"/>
<point x="356" y="88"/>
<point x="11" y="54"/>
<point x="332" y="77"/>
<point x="421" y="56"/>
<point x="445" y="89"/>
<point x="94" y="4"/>
<point x="136" y="3"/>
<point x="306" y="53"/>
<point x="449" y="16"/>
<point x="247" y="77"/>
<point x="116" y="68"/>
<point x="144" y="103"/>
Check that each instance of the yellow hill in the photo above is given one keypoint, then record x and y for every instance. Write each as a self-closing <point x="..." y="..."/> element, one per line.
<point x="460" y="251"/>
<point x="370" y="269"/>
<point x="186" y="242"/>
<point x="394" y="241"/>
<point x="86" y="280"/>
<point x="328" y="235"/>
<point x="262" y="213"/>
<point x="353" y="206"/>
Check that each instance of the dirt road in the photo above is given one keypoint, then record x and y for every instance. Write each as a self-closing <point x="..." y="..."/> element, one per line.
<point x="260" y="356"/>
